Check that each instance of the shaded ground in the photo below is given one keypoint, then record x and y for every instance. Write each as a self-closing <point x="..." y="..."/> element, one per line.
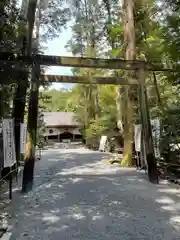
<point x="77" y="196"/>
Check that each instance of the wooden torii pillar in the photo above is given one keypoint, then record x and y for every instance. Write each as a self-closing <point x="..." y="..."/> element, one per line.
<point x="146" y="129"/>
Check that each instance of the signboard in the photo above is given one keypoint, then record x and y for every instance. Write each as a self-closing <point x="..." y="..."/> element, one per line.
<point x="102" y="143"/>
<point x="137" y="137"/>
<point x="8" y="143"/>
<point x="23" y="134"/>
<point x="155" y="126"/>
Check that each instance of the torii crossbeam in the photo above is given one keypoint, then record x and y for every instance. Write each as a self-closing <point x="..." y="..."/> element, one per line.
<point x="48" y="60"/>
<point x="87" y="80"/>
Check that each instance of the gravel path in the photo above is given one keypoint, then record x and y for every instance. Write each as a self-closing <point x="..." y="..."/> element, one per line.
<point x="77" y="196"/>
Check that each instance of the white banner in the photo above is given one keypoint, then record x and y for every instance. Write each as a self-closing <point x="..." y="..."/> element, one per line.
<point x="137" y="137"/>
<point x="155" y="126"/>
<point x="8" y="143"/>
<point x="23" y="135"/>
<point x="102" y="143"/>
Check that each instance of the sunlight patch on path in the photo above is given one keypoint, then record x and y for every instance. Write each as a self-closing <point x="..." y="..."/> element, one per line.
<point x="77" y="196"/>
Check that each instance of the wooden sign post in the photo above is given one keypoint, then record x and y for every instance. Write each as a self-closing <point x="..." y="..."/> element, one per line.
<point x="9" y="150"/>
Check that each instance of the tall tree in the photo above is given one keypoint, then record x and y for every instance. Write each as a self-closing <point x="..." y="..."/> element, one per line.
<point x="130" y="54"/>
<point x="28" y="173"/>
<point x="84" y="43"/>
<point x="113" y="26"/>
<point x="25" y="45"/>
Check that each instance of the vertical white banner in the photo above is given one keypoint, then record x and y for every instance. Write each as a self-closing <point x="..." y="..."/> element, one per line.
<point x="155" y="125"/>
<point x="102" y="143"/>
<point x="23" y="134"/>
<point x="137" y="137"/>
<point x="8" y="143"/>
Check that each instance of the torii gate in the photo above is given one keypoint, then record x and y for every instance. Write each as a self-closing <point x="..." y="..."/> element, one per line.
<point x="141" y="67"/>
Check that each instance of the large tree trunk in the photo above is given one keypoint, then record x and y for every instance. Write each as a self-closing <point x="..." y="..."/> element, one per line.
<point x="25" y="45"/>
<point x="28" y="173"/>
<point x="18" y="112"/>
<point x="130" y="54"/>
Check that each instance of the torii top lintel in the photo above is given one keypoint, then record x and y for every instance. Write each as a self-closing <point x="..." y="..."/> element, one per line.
<point x="48" y="60"/>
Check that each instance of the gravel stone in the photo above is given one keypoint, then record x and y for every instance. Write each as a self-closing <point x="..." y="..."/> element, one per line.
<point x="77" y="196"/>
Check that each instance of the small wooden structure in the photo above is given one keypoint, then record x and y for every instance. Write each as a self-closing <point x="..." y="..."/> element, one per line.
<point x="60" y="126"/>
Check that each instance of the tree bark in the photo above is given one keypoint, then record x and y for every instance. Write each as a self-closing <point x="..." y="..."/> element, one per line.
<point x="25" y="45"/>
<point x="130" y="54"/>
<point x="28" y="173"/>
<point x="18" y="112"/>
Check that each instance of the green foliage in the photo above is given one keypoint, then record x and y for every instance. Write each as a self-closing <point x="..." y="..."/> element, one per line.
<point x="100" y="126"/>
<point x="157" y="39"/>
<point x="56" y="101"/>
<point x="54" y="16"/>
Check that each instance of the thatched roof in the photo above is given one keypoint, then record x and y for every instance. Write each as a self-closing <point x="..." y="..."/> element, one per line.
<point x="60" y="119"/>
